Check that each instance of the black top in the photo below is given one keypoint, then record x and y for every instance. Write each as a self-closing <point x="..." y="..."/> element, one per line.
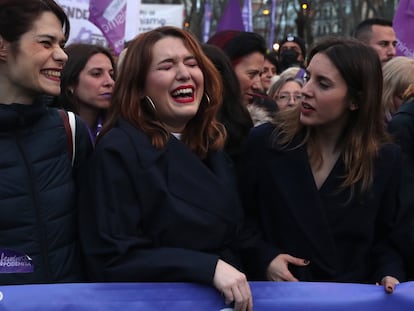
<point x="345" y="238"/>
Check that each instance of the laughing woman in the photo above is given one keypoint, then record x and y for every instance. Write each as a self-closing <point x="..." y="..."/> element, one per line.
<point x="322" y="183"/>
<point x="38" y="222"/>
<point x="161" y="201"/>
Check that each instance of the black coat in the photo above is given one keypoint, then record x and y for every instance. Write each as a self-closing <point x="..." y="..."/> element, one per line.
<point x="402" y="128"/>
<point x="157" y="215"/>
<point x="344" y="239"/>
<point x="38" y="215"/>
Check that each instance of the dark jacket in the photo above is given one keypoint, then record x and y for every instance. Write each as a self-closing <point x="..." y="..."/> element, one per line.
<point x="157" y="215"/>
<point x="345" y="239"/>
<point x="38" y="193"/>
<point x="402" y="128"/>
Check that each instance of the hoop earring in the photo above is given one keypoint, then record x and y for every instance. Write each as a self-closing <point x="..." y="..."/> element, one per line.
<point x="150" y="102"/>
<point x="208" y="98"/>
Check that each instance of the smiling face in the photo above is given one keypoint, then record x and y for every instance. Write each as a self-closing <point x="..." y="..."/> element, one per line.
<point x="36" y="67"/>
<point x="174" y="82"/>
<point x="325" y="102"/>
<point x="96" y="82"/>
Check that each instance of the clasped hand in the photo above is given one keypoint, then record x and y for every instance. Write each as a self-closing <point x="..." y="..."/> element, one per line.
<point x="234" y="286"/>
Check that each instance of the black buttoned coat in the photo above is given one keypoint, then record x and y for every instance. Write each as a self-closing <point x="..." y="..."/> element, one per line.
<point x="345" y="238"/>
<point x="157" y="214"/>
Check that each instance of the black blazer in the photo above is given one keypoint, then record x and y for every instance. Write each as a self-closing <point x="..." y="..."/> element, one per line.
<point x="345" y="238"/>
<point x="157" y="215"/>
<point x="402" y="128"/>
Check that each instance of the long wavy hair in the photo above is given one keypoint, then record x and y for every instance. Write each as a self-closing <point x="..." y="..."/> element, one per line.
<point x="203" y="132"/>
<point x="364" y="132"/>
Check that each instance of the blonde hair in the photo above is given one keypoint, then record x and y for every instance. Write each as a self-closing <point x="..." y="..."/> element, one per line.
<point x="398" y="74"/>
<point x="409" y="92"/>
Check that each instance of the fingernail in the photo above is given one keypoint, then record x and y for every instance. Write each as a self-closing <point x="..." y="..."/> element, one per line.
<point x="306" y="262"/>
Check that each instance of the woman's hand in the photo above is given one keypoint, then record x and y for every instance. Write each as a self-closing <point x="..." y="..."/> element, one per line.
<point x="389" y="283"/>
<point x="278" y="269"/>
<point x="234" y="286"/>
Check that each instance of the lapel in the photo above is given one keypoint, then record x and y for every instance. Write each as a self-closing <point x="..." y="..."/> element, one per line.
<point x="291" y="170"/>
<point x="208" y="185"/>
<point x="211" y="188"/>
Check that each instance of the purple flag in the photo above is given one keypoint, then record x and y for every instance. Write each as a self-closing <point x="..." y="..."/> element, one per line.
<point x="272" y="25"/>
<point x="207" y="21"/>
<point x="247" y="15"/>
<point x="403" y="25"/>
<point x="231" y="18"/>
<point x="109" y="17"/>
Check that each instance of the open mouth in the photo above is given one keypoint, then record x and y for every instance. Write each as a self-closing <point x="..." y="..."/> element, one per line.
<point x="183" y="94"/>
<point x="307" y="107"/>
<point x="51" y="74"/>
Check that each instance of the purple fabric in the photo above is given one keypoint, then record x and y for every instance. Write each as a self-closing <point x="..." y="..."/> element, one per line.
<point x="247" y="15"/>
<point x="231" y="18"/>
<point x="272" y="25"/>
<point x="109" y="16"/>
<point x="267" y="296"/>
<point x="403" y="25"/>
<point x="207" y="21"/>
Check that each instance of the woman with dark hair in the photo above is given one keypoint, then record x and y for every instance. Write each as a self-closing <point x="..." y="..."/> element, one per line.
<point x="269" y="71"/>
<point x="322" y="181"/>
<point x="38" y="224"/>
<point x="161" y="201"/>
<point x="87" y="81"/>
<point x="232" y="114"/>
<point x="246" y="51"/>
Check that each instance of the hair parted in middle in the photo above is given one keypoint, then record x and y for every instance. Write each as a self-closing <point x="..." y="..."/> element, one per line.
<point x="203" y="132"/>
<point x="364" y="134"/>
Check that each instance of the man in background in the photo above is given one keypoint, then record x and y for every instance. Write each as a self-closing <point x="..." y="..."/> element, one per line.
<point x="292" y="52"/>
<point x="378" y="33"/>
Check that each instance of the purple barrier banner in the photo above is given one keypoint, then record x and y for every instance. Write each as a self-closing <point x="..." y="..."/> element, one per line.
<point x="267" y="296"/>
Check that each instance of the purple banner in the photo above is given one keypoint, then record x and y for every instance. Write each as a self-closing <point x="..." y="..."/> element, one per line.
<point x="231" y="18"/>
<point x="109" y="16"/>
<point x="247" y="15"/>
<point x="267" y="296"/>
<point x="207" y="21"/>
<point x="272" y="25"/>
<point x="404" y="25"/>
<point x="14" y="262"/>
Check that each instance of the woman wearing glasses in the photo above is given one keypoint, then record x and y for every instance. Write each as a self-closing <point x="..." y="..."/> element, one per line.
<point x="286" y="90"/>
<point x="322" y="181"/>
